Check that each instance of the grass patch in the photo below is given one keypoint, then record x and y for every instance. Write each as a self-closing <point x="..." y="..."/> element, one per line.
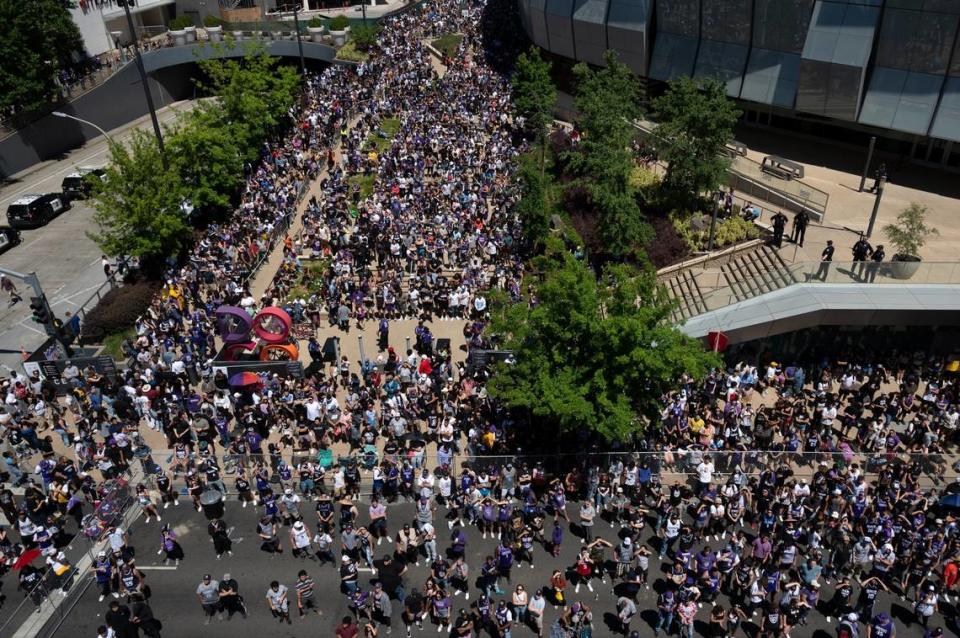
<point x="448" y="44"/>
<point x="111" y="343"/>
<point x="381" y="143"/>
<point x="351" y="53"/>
<point x="365" y="182"/>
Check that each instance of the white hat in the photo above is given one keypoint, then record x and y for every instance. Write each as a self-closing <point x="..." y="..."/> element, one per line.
<point x="853" y="617"/>
<point x="298" y="525"/>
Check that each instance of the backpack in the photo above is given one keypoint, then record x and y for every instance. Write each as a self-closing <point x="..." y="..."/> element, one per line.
<point x="844" y="631"/>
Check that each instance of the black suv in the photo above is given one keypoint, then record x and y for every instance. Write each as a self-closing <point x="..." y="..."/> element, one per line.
<point x="77" y="185"/>
<point x="31" y="211"/>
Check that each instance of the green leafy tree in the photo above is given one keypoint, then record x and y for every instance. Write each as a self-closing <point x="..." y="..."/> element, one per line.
<point x="534" y="97"/>
<point x="37" y="40"/>
<point x="253" y="96"/>
<point x="207" y="159"/>
<point x="364" y="36"/>
<point x="910" y="232"/>
<point x="608" y="104"/>
<point x="532" y="208"/>
<point x="593" y="354"/>
<point x="695" y="121"/>
<point x="137" y="206"/>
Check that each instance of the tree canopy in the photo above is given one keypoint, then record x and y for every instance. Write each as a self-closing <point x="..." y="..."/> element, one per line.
<point x="253" y="96"/>
<point x="207" y="159"/>
<point x="608" y="104"/>
<point x="695" y="121"/>
<point x="37" y="39"/>
<point x="534" y="95"/>
<point x="592" y="354"/>
<point x="137" y="206"/>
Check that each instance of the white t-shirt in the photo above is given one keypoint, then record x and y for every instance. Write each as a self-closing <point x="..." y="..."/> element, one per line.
<point x="278" y="598"/>
<point x="705" y="472"/>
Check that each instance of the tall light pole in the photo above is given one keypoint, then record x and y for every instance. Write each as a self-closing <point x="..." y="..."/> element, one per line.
<point x="876" y="204"/>
<point x="143" y="80"/>
<point x="296" y="24"/>
<point x="87" y="122"/>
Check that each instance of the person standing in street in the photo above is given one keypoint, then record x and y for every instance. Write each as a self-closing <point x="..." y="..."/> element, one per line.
<point x="779" y="222"/>
<point x="230" y="598"/>
<point x="880" y="174"/>
<point x="800" y="222"/>
<point x="277" y="600"/>
<point x="208" y="591"/>
<point x="305" y="597"/>
<point x="7" y="285"/>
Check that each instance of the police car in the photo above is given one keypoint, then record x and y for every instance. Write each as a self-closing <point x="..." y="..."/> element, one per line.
<point x="77" y="185"/>
<point x="31" y="211"/>
<point x="9" y="237"/>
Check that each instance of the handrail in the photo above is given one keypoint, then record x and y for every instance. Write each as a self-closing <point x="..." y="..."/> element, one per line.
<point x="864" y="273"/>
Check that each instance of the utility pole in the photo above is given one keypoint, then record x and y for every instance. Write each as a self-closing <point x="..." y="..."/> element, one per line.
<point x="713" y="222"/>
<point x="296" y="23"/>
<point x="363" y="8"/>
<point x="143" y="80"/>
<point x="866" y="167"/>
<point x="876" y="204"/>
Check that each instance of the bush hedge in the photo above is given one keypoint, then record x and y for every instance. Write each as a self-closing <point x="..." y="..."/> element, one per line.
<point x="180" y="22"/>
<point x="118" y="310"/>
<point x="339" y="23"/>
<point x="211" y="20"/>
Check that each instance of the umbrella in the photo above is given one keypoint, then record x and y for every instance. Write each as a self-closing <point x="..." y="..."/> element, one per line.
<point x="951" y="500"/>
<point x="242" y="379"/>
<point x="26" y="558"/>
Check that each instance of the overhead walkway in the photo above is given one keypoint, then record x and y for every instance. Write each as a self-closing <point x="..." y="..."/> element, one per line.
<point x="756" y="304"/>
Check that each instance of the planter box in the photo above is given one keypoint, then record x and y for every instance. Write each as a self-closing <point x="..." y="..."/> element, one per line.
<point x="904" y="266"/>
<point x="237" y="35"/>
<point x="215" y="34"/>
<point x="179" y="37"/>
<point x="340" y="37"/>
<point x="191" y="34"/>
<point x="316" y="33"/>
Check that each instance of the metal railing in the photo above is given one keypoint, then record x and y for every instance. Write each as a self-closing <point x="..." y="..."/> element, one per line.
<point x="678" y="465"/>
<point x="798" y="192"/>
<point x="835" y="272"/>
<point x="29" y="614"/>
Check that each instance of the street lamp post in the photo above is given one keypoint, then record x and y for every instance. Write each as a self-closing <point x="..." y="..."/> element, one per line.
<point x="713" y="220"/>
<point x="83" y="121"/>
<point x="296" y="23"/>
<point x="876" y="204"/>
<point x="143" y="80"/>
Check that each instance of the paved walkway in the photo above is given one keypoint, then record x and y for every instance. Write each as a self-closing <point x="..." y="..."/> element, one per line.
<point x="836" y="169"/>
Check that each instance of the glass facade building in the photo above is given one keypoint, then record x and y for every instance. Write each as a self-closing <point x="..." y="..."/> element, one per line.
<point x="885" y="64"/>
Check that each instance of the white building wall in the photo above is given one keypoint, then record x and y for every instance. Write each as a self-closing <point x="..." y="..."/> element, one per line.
<point x="90" y="21"/>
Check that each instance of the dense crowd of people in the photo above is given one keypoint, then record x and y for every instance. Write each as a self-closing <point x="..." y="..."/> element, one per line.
<point x="763" y="496"/>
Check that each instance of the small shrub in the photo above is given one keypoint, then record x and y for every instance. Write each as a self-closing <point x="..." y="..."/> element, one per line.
<point x="118" y="310"/>
<point x="211" y="20"/>
<point x="180" y="22"/>
<point x="315" y="22"/>
<point x="364" y="36"/>
<point x="339" y="23"/>
<point x="734" y="230"/>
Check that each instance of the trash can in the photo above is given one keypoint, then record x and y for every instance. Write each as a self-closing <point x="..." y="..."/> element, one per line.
<point x="212" y="503"/>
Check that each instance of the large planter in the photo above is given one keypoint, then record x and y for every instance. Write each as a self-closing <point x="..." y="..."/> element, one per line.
<point x="215" y="34"/>
<point x="191" y="34"/>
<point x="179" y="37"/>
<point x="904" y="266"/>
<point x="237" y="35"/>
<point x="340" y="37"/>
<point x="316" y="33"/>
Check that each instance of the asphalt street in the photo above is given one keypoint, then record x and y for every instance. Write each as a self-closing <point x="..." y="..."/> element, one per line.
<point x="174" y="600"/>
<point x="66" y="260"/>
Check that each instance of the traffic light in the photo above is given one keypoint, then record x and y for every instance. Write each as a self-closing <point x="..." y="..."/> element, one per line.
<point x="41" y="311"/>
